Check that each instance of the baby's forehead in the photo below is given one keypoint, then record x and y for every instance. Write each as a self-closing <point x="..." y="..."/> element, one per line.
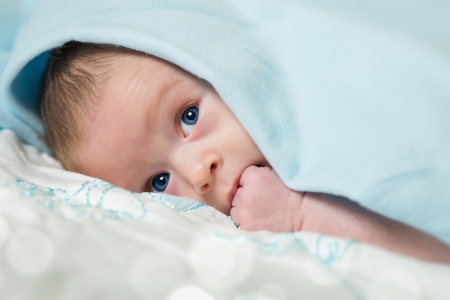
<point x="134" y="73"/>
<point x="132" y="58"/>
<point x="124" y="68"/>
<point x="162" y="73"/>
<point x="137" y="75"/>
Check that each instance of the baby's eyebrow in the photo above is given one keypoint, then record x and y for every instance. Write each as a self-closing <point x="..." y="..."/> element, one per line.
<point x="165" y="90"/>
<point x="173" y="85"/>
<point x="162" y="94"/>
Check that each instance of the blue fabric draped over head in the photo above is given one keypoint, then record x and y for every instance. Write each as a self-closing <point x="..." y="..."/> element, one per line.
<point x="337" y="106"/>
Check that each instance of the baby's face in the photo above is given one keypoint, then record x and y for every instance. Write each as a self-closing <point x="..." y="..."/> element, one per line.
<point x="157" y="128"/>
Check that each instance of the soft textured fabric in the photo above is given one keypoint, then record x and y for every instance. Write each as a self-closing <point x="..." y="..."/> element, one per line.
<point x="336" y="105"/>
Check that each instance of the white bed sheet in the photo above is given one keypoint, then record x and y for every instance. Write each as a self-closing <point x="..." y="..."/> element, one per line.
<point x="67" y="236"/>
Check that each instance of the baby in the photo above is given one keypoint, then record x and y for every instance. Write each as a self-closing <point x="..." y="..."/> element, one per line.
<point x="146" y="125"/>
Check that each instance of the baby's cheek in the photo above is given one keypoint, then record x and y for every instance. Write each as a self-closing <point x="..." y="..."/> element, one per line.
<point x="173" y="188"/>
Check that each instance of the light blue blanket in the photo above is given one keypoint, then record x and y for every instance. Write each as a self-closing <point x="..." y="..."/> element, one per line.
<point x="336" y="105"/>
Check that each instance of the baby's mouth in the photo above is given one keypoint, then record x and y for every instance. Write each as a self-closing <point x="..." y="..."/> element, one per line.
<point x="236" y="184"/>
<point x="232" y="192"/>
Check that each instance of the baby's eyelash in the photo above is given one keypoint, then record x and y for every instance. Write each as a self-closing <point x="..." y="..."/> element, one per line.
<point x="148" y="184"/>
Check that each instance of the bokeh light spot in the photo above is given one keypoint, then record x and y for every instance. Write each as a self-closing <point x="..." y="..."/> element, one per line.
<point x="2" y="279"/>
<point x="190" y="292"/>
<point x="393" y="284"/>
<point x="156" y="274"/>
<point x="272" y="291"/>
<point x="213" y="260"/>
<point x="4" y="231"/>
<point x="29" y="252"/>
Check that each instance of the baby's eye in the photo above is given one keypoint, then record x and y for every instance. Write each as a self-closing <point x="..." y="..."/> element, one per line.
<point x="160" y="182"/>
<point x="189" y="119"/>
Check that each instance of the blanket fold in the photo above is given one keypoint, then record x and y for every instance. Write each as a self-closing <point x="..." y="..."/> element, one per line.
<point x="337" y="106"/>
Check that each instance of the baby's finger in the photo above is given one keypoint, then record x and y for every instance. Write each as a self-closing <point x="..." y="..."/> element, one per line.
<point x="248" y="174"/>
<point x="237" y="197"/>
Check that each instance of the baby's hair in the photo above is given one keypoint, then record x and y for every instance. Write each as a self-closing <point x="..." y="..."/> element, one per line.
<point x="75" y="76"/>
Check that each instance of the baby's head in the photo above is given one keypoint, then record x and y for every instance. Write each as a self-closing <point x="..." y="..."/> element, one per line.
<point x="143" y="124"/>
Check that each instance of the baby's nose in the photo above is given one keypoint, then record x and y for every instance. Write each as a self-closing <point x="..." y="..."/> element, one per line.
<point x="199" y="169"/>
<point x="203" y="173"/>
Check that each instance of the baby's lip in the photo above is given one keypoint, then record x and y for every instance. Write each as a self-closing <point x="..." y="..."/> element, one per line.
<point x="233" y="189"/>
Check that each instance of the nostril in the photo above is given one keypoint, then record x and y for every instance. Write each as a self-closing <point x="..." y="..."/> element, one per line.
<point x="213" y="167"/>
<point x="204" y="188"/>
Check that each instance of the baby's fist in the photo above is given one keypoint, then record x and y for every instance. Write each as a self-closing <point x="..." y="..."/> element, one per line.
<point x="263" y="202"/>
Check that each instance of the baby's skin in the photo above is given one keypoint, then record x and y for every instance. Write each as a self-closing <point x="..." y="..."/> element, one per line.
<point x="157" y="128"/>
<point x="263" y="202"/>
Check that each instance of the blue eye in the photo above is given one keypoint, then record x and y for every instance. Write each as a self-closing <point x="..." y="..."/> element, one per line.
<point x="160" y="182"/>
<point x="189" y="119"/>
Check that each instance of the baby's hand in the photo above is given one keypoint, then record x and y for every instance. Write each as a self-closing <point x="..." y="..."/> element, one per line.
<point x="263" y="202"/>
